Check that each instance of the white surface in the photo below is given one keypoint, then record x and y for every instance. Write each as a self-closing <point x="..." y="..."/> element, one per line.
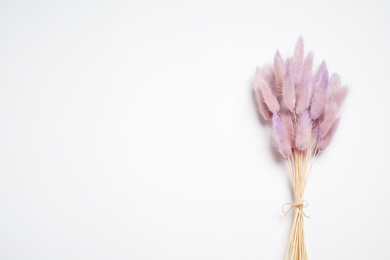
<point x="128" y="130"/>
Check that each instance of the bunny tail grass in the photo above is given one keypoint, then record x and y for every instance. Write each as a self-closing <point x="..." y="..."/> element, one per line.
<point x="281" y="136"/>
<point x="303" y="108"/>
<point x="288" y="89"/>
<point x="303" y="132"/>
<point x="320" y="96"/>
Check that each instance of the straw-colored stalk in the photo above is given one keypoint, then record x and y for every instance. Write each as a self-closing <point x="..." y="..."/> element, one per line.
<point x="299" y="165"/>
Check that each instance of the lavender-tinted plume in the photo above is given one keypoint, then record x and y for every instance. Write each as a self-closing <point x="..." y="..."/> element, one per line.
<point x="303" y="94"/>
<point x="334" y="83"/>
<point x="320" y="72"/>
<point x="320" y="96"/>
<point x="339" y="96"/>
<point x="303" y="132"/>
<point x="299" y="51"/>
<point x="270" y="77"/>
<point x="281" y="136"/>
<point x="279" y="68"/>
<point x="308" y="64"/>
<point x="328" y="119"/>
<point x="297" y="61"/>
<point x="288" y="124"/>
<point x="263" y="108"/>
<point x="325" y="141"/>
<point x="288" y="90"/>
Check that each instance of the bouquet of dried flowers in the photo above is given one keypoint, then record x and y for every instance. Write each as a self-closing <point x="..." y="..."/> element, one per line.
<point x="303" y="108"/>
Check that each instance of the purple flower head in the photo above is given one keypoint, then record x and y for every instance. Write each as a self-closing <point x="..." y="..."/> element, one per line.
<point x="304" y="105"/>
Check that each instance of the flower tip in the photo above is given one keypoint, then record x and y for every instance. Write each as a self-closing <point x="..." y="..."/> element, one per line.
<point x="299" y="51"/>
<point x="334" y="78"/>
<point x="310" y="56"/>
<point x="326" y="74"/>
<point x="299" y="41"/>
<point x="323" y="65"/>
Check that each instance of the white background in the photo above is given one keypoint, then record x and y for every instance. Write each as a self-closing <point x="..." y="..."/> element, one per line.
<point x="128" y="130"/>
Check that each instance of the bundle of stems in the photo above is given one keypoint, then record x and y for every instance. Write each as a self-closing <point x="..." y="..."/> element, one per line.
<point x="303" y="109"/>
<point x="299" y="166"/>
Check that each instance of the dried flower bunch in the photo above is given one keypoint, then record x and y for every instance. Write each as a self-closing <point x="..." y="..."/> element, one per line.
<point x="303" y="108"/>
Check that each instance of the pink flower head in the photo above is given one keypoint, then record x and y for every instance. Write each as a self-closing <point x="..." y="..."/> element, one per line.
<point x="304" y="105"/>
<point x="281" y="136"/>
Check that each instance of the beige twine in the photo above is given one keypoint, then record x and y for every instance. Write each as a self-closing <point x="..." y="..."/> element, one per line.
<point x="298" y="206"/>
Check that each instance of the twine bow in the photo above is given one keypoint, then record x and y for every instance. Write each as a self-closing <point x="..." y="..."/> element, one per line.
<point x="299" y="206"/>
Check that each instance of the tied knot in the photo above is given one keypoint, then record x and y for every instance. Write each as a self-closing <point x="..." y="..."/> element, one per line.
<point x="299" y="206"/>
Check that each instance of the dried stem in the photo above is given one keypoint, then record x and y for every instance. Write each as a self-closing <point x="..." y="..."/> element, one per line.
<point x="299" y="165"/>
